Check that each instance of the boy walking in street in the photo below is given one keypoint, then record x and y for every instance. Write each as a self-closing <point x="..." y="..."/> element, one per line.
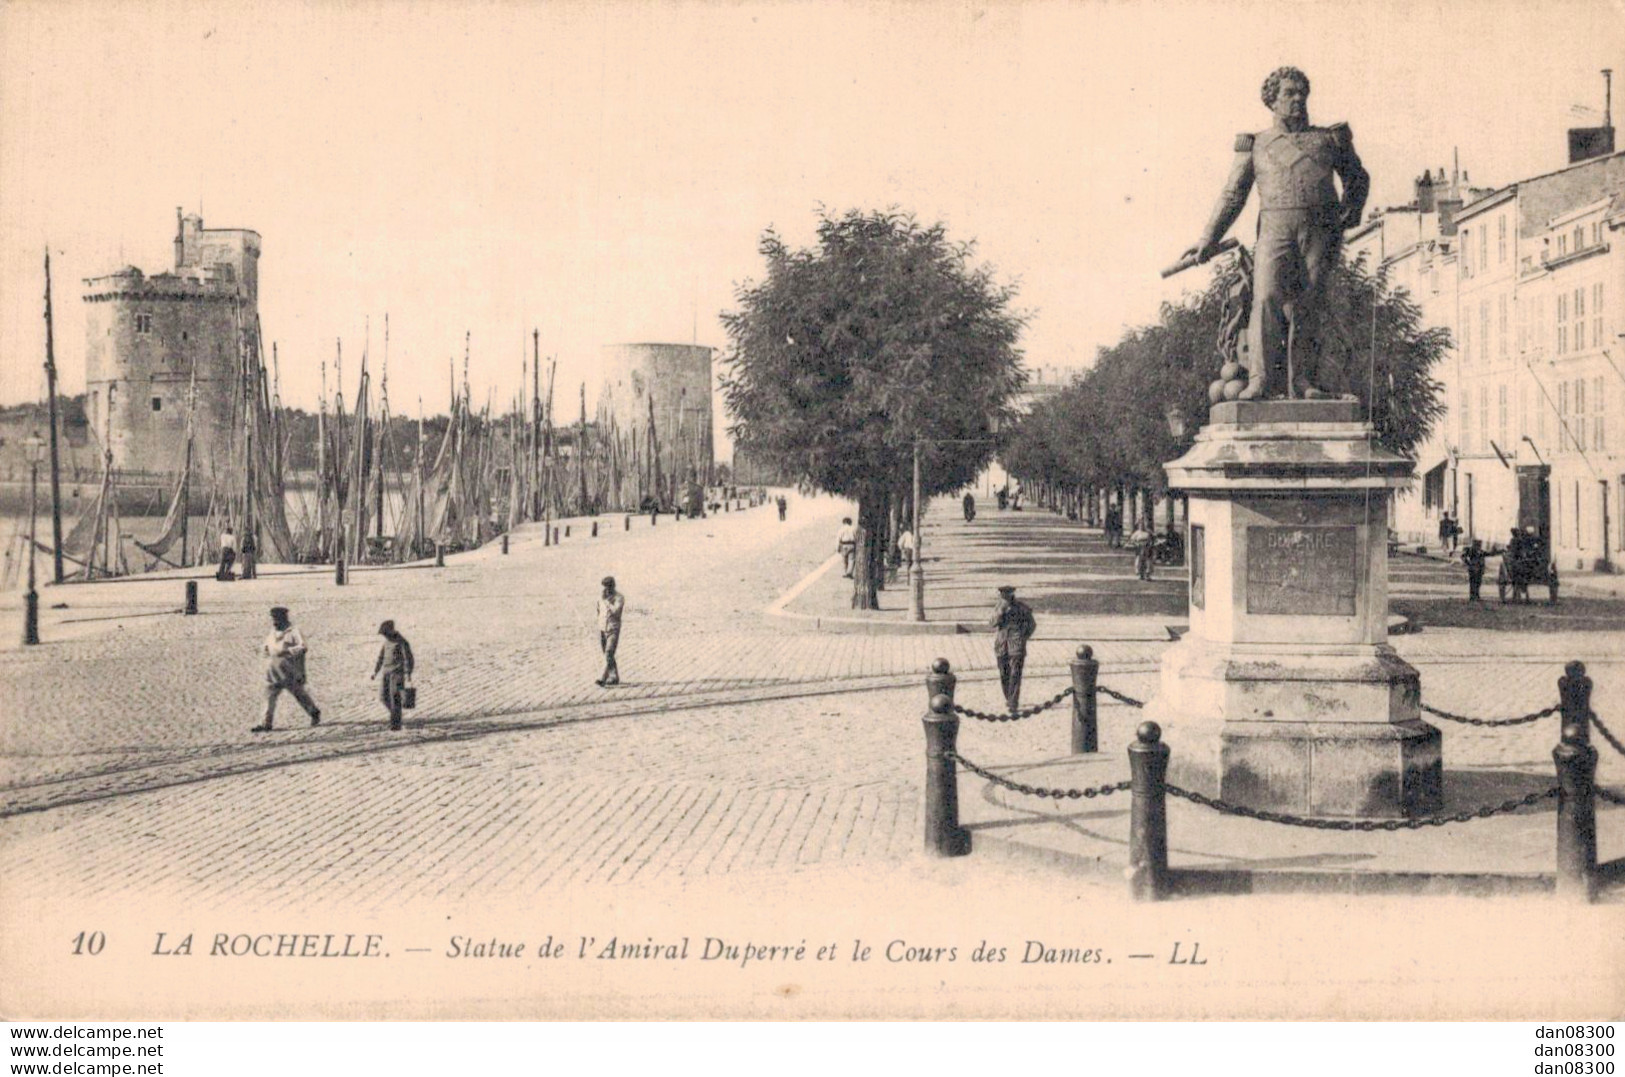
<point x="1013" y="625"/>
<point x="610" y="606"/>
<point x="395" y="662"/>
<point x="284" y="651"/>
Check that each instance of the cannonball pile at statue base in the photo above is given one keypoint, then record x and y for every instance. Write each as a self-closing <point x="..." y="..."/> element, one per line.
<point x="1285" y="694"/>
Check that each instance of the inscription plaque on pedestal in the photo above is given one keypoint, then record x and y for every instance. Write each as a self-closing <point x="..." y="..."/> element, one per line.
<point x="1310" y="571"/>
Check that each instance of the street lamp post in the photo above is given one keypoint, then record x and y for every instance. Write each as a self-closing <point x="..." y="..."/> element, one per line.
<point x="34" y="447"/>
<point x="916" y="570"/>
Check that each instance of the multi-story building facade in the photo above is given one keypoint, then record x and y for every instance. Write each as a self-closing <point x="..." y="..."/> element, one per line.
<point x="1528" y="279"/>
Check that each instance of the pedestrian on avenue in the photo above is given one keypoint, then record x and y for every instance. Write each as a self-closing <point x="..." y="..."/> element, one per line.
<point x="228" y="555"/>
<point x="284" y="651"/>
<point x="1143" y="546"/>
<point x="1013" y="625"/>
<point x="969" y="505"/>
<point x="610" y="606"/>
<point x="846" y="544"/>
<point x="905" y="548"/>
<point x="1473" y="558"/>
<point x="784" y="507"/>
<point x="395" y="662"/>
<point x="1445" y="532"/>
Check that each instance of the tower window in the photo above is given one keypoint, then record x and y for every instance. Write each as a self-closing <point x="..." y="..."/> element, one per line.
<point x="143" y="323"/>
<point x="157" y="403"/>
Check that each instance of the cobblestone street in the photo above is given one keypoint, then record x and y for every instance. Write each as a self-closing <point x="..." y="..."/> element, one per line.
<point x="741" y="744"/>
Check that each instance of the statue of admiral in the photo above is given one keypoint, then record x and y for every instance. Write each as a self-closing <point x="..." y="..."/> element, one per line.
<point x="1301" y="221"/>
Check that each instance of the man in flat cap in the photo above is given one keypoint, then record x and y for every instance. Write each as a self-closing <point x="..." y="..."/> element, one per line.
<point x="395" y="662"/>
<point x="284" y="651"/>
<point x="1013" y="625"/>
<point x="610" y="606"/>
<point x="1301" y="221"/>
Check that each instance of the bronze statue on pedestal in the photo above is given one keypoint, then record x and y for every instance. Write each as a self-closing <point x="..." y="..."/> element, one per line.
<point x="1301" y="222"/>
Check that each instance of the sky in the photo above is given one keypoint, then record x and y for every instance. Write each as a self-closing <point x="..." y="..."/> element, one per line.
<point x="603" y="172"/>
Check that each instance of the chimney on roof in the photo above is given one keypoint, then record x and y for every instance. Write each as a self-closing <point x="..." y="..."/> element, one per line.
<point x="1424" y="193"/>
<point x="1588" y="142"/>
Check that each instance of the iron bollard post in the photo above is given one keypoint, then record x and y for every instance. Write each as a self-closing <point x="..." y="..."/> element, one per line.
<point x="190" y="609"/>
<point x="31" y="617"/>
<point x="566" y="530"/>
<point x="1576" y="762"/>
<point x="341" y="571"/>
<point x="727" y="506"/>
<point x="555" y="536"/>
<point x="1148" y="814"/>
<point x="504" y="542"/>
<point x="595" y="529"/>
<point x="654" y="517"/>
<point x="943" y="835"/>
<point x="1574" y="690"/>
<point x="440" y="555"/>
<point x="628" y="522"/>
<point x="1085" y="672"/>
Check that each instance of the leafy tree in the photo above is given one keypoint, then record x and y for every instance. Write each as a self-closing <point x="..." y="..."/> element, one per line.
<point x="845" y="353"/>
<point x="1110" y="429"/>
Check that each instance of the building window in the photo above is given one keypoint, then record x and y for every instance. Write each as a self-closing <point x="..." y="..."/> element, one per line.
<point x="143" y="323"/>
<point x="1483" y="249"/>
<point x="1467" y="339"/>
<point x="1562" y="246"/>
<point x="1599" y="411"/>
<point x="1579" y="415"/>
<point x="1501" y="239"/>
<point x="1483" y="330"/>
<point x="1501" y="327"/>
<point x="1501" y="415"/>
<point x="1563" y="416"/>
<point x="157" y="403"/>
<point x="1579" y="535"/>
<point x="1579" y="237"/>
<point x="1466" y="421"/>
<point x="1596" y="315"/>
<point x="1483" y="417"/>
<point x="1563" y="324"/>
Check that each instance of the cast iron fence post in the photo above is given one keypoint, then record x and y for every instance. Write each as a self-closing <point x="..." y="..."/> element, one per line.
<point x="1576" y="763"/>
<point x="341" y="571"/>
<point x="440" y="555"/>
<point x="191" y="597"/>
<point x="1148" y="814"/>
<point x="1085" y="672"/>
<point x="504" y="542"/>
<point x="943" y="834"/>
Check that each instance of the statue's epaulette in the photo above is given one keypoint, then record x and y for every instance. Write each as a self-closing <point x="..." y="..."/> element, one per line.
<point x="1342" y="133"/>
<point x="1244" y="143"/>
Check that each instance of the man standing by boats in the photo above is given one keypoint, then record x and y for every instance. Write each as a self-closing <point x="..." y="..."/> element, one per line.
<point x="228" y="555"/>
<point x="285" y="669"/>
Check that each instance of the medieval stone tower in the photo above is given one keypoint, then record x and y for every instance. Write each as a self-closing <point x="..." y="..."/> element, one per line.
<point x="154" y="340"/>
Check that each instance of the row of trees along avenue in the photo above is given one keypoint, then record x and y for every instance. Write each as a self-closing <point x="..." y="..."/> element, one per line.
<point x="883" y="337"/>
<point x="1107" y="435"/>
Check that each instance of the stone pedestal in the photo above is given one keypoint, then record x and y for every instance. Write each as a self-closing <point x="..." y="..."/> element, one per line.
<point x="1285" y="694"/>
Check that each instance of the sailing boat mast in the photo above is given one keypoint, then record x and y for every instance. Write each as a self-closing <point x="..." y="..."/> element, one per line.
<point x="50" y="403"/>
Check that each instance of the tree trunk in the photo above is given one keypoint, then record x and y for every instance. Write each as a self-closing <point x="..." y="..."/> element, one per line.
<point x="871" y="528"/>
